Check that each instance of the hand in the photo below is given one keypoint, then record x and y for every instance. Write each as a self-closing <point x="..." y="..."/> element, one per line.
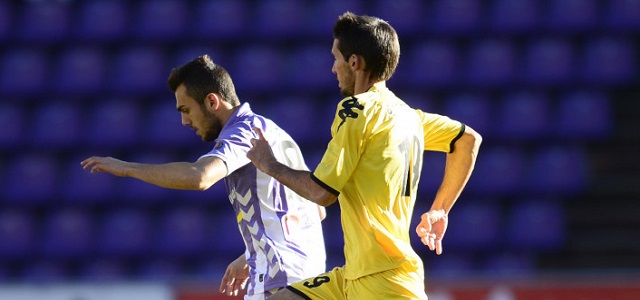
<point x="236" y="277"/>
<point x="105" y="164"/>
<point x="261" y="154"/>
<point x="433" y="225"/>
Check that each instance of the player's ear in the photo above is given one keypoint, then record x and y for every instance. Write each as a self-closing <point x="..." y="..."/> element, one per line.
<point x="356" y="62"/>
<point x="212" y="102"/>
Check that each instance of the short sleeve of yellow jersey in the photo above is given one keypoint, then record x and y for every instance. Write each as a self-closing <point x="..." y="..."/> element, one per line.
<point x="348" y="132"/>
<point x="440" y="132"/>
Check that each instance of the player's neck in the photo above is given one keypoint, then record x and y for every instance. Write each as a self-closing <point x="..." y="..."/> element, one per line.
<point x="364" y="83"/>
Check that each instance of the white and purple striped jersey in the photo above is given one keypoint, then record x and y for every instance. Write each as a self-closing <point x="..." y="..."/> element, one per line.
<point x="281" y="230"/>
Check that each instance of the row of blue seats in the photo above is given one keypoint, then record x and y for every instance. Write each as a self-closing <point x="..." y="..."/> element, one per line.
<point x="174" y="19"/>
<point x="122" y="123"/>
<point x="86" y="70"/>
<point x="478" y="225"/>
<point x="42" y="180"/>
<point x="503" y="263"/>
<point x="120" y="232"/>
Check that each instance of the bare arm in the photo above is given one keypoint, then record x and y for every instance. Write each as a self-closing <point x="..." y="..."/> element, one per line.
<point x="458" y="168"/>
<point x="297" y="180"/>
<point x="459" y="165"/>
<point x="199" y="175"/>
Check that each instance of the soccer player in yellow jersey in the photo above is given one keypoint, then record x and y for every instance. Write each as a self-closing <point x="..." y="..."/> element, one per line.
<point x="372" y="167"/>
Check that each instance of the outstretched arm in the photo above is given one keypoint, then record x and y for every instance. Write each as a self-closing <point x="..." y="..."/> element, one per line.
<point x="459" y="165"/>
<point x="199" y="175"/>
<point x="299" y="181"/>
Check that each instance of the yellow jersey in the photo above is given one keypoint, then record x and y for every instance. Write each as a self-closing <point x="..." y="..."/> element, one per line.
<point x="373" y="163"/>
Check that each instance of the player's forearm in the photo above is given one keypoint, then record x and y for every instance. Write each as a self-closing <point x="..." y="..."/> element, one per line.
<point x="300" y="182"/>
<point x="458" y="169"/>
<point x="177" y="175"/>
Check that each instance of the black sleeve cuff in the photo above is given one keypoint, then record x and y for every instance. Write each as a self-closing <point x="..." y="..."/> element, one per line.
<point x="324" y="185"/>
<point x="297" y="292"/>
<point x="451" y="146"/>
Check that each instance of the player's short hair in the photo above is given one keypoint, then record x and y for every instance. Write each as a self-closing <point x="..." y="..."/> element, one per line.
<point x="202" y="76"/>
<point x="370" y="37"/>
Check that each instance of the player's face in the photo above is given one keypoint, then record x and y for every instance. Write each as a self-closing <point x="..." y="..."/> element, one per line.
<point x="206" y="124"/>
<point x="343" y="71"/>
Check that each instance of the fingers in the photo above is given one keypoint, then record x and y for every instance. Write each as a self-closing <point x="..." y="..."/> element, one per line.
<point x="90" y="164"/>
<point x="439" y="246"/>
<point x="259" y="133"/>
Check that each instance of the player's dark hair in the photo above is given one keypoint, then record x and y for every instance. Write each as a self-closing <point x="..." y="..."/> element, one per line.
<point x="370" y="37"/>
<point x="202" y="76"/>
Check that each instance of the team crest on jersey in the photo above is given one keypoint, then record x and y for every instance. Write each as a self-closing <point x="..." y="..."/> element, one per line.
<point x="347" y="111"/>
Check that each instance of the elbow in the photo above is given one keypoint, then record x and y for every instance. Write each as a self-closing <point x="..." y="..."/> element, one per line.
<point x="324" y="198"/>
<point x="474" y="139"/>
<point x="202" y="184"/>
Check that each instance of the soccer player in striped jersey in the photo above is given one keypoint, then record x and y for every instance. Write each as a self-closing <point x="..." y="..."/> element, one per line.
<point x="282" y="231"/>
<point x="372" y="167"/>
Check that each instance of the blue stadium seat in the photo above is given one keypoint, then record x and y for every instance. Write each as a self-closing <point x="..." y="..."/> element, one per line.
<point x="572" y="15"/>
<point x="13" y="121"/>
<point x="80" y="70"/>
<point x="549" y="61"/>
<point x="45" y="272"/>
<point x="450" y="264"/>
<point x="80" y="187"/>
<point x="433" y="163"/>
<point x="57" y="125"/>
<point x="623" y="15"/>
<point x="431" y="64"/>
<point x="536" y="224"/>
<point x="183" y="232"/>
<point x="257" y="68"/>
<point x="166" y="129"/>
<point x="103" y="270"/>
<point x="24" y="71"/>
<point x="45" y="21"/>
<point x="18" y="234"/>
<point x="558" y="170"/>
<point x="322" y="15"/>
<point x="456" y="16"/>
<point x="279" y="18"/>
<point x="163" y="270"/>
<point x="609" y="61"/>
<point x="125" y="233"/>
<point x="406" y="16"/>
<point x="474" y="110"/>
<point x="67" y="233"/>
<point x="333" y="233"/>
<point x="295" y="115"/>
<point x="6" y="20"/>
<point x="585" y="115"/>
<point x="103" y="20"/>
<point x="510" y="16"/>
<point x="33" y="179"/>
<point x="223" y="19"/>
<point x="140" y="70"/>
<point x="475" y="226"/>
<point x="524" y="116"/>
<point x="310" y="68"/>
<point x="113" y="123"/>
<point x="510" y="264"/>
<point x="491" y="63"/>
<point x="416" y="99"/>
<point x="501" y="171"/>
<point x="223" y="234"/>
<point x="161" y="19"/>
